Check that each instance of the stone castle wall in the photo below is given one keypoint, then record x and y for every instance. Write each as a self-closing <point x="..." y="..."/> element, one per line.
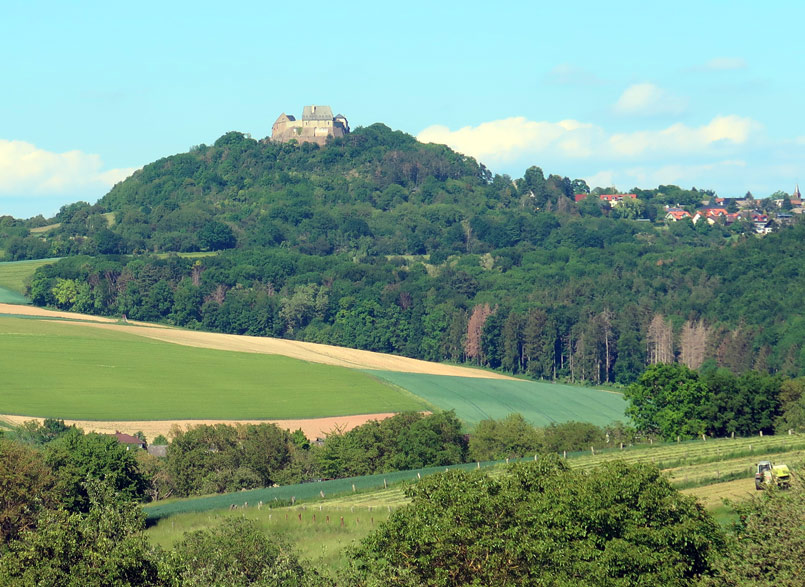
<point x="308" y="130"/>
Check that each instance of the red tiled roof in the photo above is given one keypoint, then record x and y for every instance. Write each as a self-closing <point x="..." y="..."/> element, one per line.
<point x="679" y="214"/>
<point x="713" y="212"/>
<point x="127" y="438"/>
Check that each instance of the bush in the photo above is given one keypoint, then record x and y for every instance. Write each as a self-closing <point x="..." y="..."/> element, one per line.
<point x="542" y="524"/>
<point x="237" y="553"/>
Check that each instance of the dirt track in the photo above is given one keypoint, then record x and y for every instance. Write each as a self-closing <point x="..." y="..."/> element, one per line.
<point x="313" y="428"/>
<point x="306" y="351"/>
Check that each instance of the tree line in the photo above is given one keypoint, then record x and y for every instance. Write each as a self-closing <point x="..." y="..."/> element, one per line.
<point x="674" y="401"/>
<point x="567" y="309"/>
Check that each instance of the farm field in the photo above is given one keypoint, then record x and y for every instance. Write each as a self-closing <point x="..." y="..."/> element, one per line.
<point x="306" y="351"/>
<point x="8" y="296"/>
<point x="539" y="403"/>
<point x="13" y="275"/>
<point x="685" y="463"/>
<point x="75" y="371"/>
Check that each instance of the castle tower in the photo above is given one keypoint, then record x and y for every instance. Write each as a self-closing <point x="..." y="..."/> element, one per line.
<point x="316" y="126"/>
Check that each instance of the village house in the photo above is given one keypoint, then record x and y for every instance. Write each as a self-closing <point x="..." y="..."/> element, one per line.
<point x="711" y="215"/>
<point x="676" y="214"/>
<point x="128" y="440"/>
<point x="611" y="199"/>
<point x="795" y="200"/>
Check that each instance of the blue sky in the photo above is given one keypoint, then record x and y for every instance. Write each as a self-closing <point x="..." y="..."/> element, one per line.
<point x="705" y="94"/>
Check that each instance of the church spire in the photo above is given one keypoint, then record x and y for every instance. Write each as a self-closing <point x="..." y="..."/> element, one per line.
<point x="796" y="195"/>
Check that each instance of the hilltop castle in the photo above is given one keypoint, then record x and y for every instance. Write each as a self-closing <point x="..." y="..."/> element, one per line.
<point x="316" y="125"/>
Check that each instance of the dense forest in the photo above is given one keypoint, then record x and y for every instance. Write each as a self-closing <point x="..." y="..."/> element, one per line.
<point x="379" y="242"/>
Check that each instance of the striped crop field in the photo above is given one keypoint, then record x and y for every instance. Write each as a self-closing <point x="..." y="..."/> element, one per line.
<point x="539" y="403"/>
<point x="693" y="463"/>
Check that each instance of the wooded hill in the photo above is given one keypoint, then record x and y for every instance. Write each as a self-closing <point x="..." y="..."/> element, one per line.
<point x="377" y="241"/>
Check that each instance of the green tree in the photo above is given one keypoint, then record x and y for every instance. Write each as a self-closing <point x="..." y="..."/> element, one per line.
<point x="236" y="553"/>
<point x="26" y="488"/>
<point x="572" y="436"/>
<point x="499" y="439"/>
<point x="668" y="399"/>
<point x="543" y="524"/>
<point x="215" y="236"/>
<point x="65" y="293"/>
<point x="104" y="546"/>
<point x="77" y="457"/>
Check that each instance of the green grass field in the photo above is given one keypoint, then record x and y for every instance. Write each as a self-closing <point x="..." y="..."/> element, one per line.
<point x="539" y="403"/>
<point x="62" y="370"/>
<point x="8" y="296"/>
<point x="315" y="535"/>
<point x="14" y="274"/>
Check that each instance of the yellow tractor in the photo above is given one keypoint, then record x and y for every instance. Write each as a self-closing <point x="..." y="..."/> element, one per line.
<point x="767" y="475"/>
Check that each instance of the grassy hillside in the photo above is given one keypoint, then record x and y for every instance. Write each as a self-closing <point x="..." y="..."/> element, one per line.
<point x="62" y="370"/>
<point x="15" y="274"/>
<point x="13" y="279"/>
<point x="539" y="403"/>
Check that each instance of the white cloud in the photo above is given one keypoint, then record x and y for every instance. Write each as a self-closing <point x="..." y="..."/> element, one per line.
<point x="648" y="100"/>
<point x="508" y="139"/>
<point x="682" y="139"/>
<point x="513" y="139"/>
<point x="723" y="64"/>
<point x="701" y="175"/>
<point x="602" y="179"/>
<point x="26" y="170"/>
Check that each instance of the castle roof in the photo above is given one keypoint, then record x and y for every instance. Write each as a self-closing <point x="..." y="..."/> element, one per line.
<point x="317" y="113"/>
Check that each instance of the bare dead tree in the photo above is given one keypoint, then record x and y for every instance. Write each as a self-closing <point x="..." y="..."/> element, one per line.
<point x="693" y="343"/>
<point x="475" y="326"/>
<point x="659" y="341"/>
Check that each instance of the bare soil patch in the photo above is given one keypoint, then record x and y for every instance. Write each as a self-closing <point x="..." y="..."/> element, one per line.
<point x="306" y="351"/>
<point x="313" y="427"/>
